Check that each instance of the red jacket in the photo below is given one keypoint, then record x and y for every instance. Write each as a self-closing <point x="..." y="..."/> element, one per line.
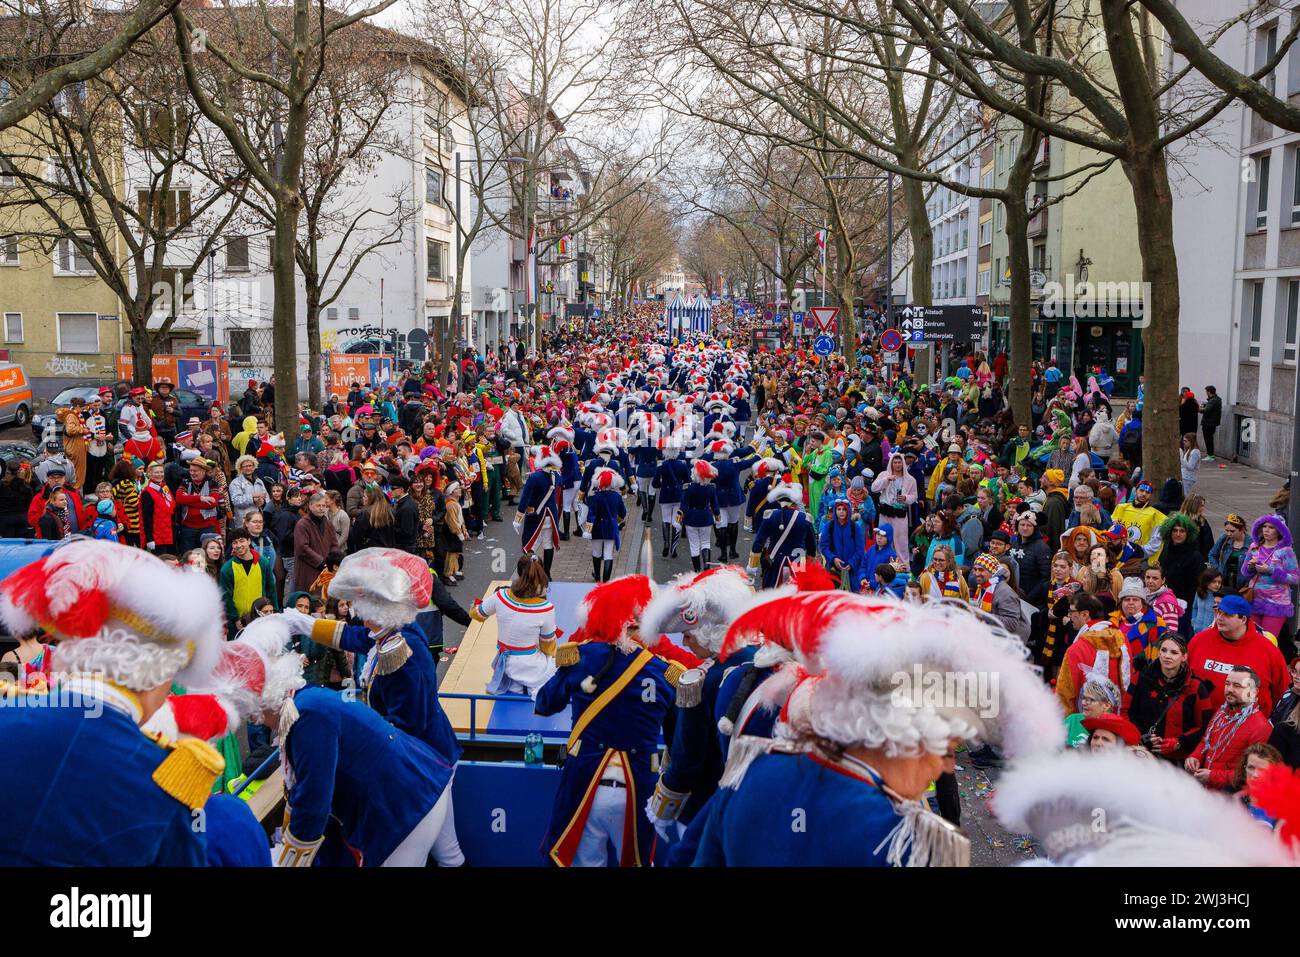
<point x="37" y="508"/>
<point x="193" y="504"/>
<point x="1212" y="656"/>
<point x="156" y="508"/>
<point x="1224" y="743"/>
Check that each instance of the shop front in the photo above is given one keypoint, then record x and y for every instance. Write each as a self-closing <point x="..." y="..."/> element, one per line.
<point x="1083" y="343"/>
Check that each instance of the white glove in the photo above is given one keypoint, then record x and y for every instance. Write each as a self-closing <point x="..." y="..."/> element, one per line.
<point x="299" y="624"/>
<point x="518" y="525"/>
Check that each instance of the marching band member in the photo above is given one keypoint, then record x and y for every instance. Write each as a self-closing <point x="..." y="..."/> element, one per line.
<point x="388" y="588"/>
<point x="526" y="632"/>
<point x="561" y="438"/>
<point x="700" y="608"/>
<point x="606" y="517"/>
<point x="358" y="789"/>
<point x="786" y="535"/>
<point x="538" y="518"/>
<point x="619" y="694"/>
<point x="671" y="476"/>
<point x="122" y="799"/>
<point x="862" y="736"/>
<point x="699" y="511"/>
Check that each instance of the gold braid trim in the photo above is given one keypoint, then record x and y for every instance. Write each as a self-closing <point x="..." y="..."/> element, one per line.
<point x="190" y="771"/>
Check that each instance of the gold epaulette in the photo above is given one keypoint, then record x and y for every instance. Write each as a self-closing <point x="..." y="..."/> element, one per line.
<point x="190" y="771"/>
<point x="392" y="656"/>
<point x="567" y="654"/>
<point x="673" y="672"/>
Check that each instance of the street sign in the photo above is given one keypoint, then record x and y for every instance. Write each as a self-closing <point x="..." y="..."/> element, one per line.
<point x="798" y="318"/>
<point x="823" y="345"/>
<point x="891" y="341"/>
<point x="824" y="316"/>
<point x="891" y="358"/>
<point x="942" y="323"/>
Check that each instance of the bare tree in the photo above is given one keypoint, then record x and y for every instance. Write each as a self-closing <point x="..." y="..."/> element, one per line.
<point x="49" y="44"/>
<point x="118" y="170"/>
<point x="274" y="58"/>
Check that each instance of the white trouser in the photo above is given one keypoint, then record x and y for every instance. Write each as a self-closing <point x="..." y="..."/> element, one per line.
<point x="731" y="514"/>
<point x="415" y="847"/>
<point x="698" y="538"/>
<point x="604" y="827"/>
<point x="668" y="513"/>
<point x="603" y="548"/>
<point x="569" y="499"/>
<point x="643" y="482"/>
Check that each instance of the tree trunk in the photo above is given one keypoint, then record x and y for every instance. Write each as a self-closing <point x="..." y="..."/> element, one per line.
<point x="1020" y="379"/>
<point x="284" y="332"/>
<point x="918" y="228"/>
<point x="1149" y="177"/>
<point x="142" y="351"/>
<point x="313" y="347"/>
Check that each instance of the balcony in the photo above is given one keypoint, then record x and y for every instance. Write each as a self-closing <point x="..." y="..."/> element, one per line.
<point x="1038" y="224"/>
<point x="1044" y="155"/>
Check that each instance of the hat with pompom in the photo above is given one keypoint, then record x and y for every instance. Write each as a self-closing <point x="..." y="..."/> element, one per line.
<point x="386" y="586"/>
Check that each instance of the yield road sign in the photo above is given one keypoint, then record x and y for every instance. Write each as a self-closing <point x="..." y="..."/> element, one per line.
<point x="824" y="316"/>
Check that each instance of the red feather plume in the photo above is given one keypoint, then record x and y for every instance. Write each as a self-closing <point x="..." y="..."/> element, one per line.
<point x="1277" y="793"/>
<point x="613" y="605"/>
<point x="667" y="650"/>
<point x="199" y="715"/>
<point x="814" y="576"/>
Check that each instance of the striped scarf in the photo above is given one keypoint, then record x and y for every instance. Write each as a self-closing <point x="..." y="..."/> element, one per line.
<point x="1143" y="634"/>
<point x="1223" y="728"/>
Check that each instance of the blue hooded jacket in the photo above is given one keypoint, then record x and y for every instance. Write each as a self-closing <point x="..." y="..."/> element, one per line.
<point x="878" y="556"/>
<point x="844" y="541"/>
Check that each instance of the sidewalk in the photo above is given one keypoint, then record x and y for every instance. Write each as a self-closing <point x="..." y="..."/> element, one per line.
<point x="1230" y="487"/>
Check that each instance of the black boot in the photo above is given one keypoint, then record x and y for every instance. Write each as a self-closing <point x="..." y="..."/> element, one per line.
<point x="548" y="556"/>
<point x="649" y="509"/>
<point x="595" y="568"/>
<point x="564" y="530"/>
<point x="609" y="569"/>
<point x="704" y="557"/>
<point x="677" y="537"/>
<point x="733" y="536"/>
<point x="695" y="562"/>
<point x="668" y="535"/>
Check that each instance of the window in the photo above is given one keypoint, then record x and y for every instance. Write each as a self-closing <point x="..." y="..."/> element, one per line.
<point x="982" y="288"/>
<point x="166" y="207"/>
<point x="78" y="332"/>
<point x="8" y="250"/>
<point x="433" y="186"/>
<point x="1262" y="163"/>
<point x="354" y="315"/>
<point x="1040" y="257"/>
<point x="62" y="173"/>
<point x="1295" y="186"/>
<point x="237" y="254"/>
<point x="986" y="232"/>
<point x="997" y="216"/>
<point x="332" y="314"/>
<point x="71" y="260"/>
<point x="437" y="256"/>
<point x="1265" y="50"/>
<point x="1292" y="304"/>
<point x="1256" y="305"/>
<point x="7" y="172"/>
<point x="13" y="327"/>
<point x="239" y="343"/>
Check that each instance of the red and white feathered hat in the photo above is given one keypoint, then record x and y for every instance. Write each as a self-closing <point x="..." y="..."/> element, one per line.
<point x="1154" y="814"/>
<point x="604" y="479"/>
<point x="721" y="449"/>
<point x="559" y="446"/>
<point x="717" y="402"/>
<point x="202" y="716"/>
<point x="118" y="612"/>
<point x="644" y="428"/>
<point x="561" y="431"/>
<point x="703" y="604"/>
<point x="544" y="456"/>
<point x="610" y="439"/>
<point x="610" y="611"/>
<point x="905" y="678"/>
<point x="259" y="671"/>
<point x="769" y="467"/>
<point x="702" y="471"/>
<point x="386" y="586"/>
<point x="787" y="489"/>
<point x="722" y="428"/>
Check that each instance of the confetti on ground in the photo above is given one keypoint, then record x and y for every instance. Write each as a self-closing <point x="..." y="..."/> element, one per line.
<point x="1024" y="844"/>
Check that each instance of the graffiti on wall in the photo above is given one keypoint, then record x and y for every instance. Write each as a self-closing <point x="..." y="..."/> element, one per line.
<point x="69" y="366"/>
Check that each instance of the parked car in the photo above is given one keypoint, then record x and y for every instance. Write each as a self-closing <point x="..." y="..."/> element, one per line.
<point x="17" y="449"/>
<point x="15" y="394"/>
